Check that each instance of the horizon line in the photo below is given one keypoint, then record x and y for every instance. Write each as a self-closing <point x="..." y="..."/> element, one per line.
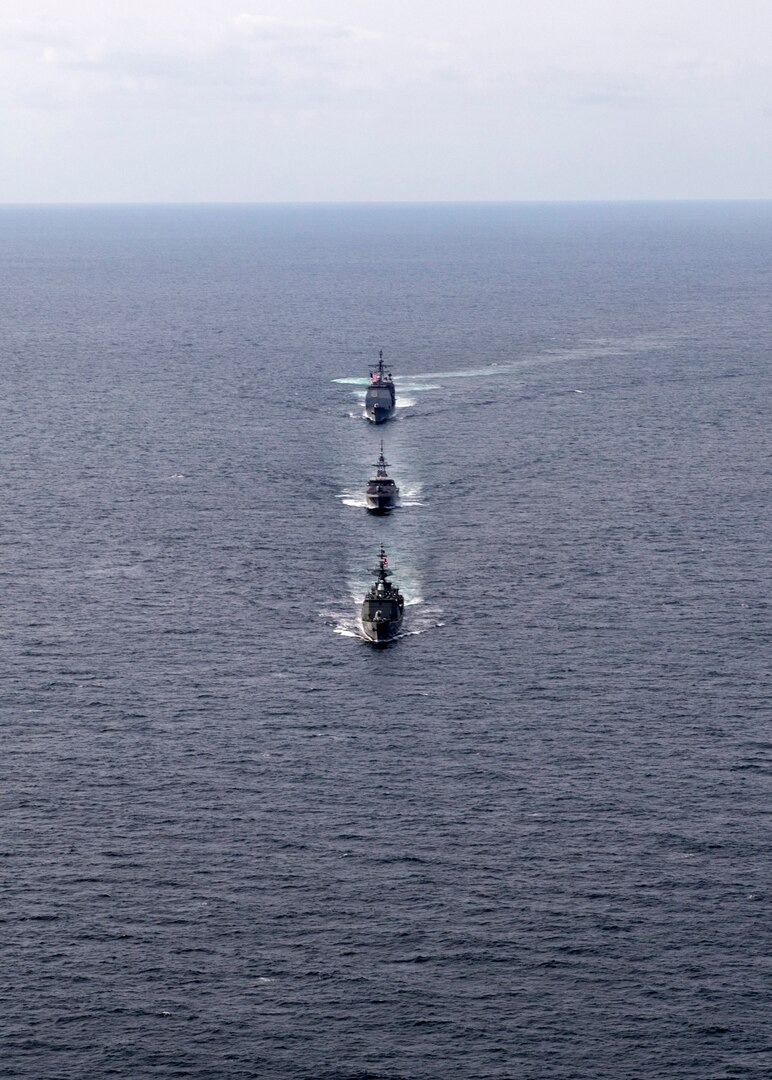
<point x="379" y="202"/>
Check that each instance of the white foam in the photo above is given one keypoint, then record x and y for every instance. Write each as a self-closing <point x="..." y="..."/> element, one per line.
<point x="352" y="500"/>
<point x="403" y="381"/>
<point x="417" y="387"/>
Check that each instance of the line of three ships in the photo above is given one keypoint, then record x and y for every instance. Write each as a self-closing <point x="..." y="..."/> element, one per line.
<point x="383" y="605"/>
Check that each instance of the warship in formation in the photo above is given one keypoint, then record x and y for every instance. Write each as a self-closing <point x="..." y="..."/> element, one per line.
<point x="381" y="493"/>
<point x="383" y="606"/>
<point x="380" y="399"/>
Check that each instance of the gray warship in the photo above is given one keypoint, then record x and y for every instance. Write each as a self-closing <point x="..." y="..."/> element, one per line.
<point x="381" y="493"/>
<point x="380" y="399"/>
<point x="383" y="606"/>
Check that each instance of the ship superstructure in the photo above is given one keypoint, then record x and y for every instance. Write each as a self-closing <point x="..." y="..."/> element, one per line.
<point x="382" y="492"/>
<point x="381" y="398"/>
<point x="383" y="605"/>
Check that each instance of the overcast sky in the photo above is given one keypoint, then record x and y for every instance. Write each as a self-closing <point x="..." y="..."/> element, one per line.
<point x="319" y="100"/>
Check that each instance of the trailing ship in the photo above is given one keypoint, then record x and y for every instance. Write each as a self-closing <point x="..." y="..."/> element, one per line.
<point x="380" y="399"/>
<point x="381" y="494"/>
<point x="383" y="606"/>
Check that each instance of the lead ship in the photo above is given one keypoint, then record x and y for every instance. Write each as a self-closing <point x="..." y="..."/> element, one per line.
<point x="380" y="399"/>
<point x="381" y="494"/>
<point x="383" y="606"/>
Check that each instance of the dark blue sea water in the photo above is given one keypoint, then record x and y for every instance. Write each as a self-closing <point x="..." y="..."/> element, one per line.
<point x="527" y="841"/>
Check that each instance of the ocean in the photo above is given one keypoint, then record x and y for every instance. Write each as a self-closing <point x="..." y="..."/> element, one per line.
<point x="529" y="840"/>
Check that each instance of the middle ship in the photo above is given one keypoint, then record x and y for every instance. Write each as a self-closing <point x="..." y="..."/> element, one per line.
<point x="383" y="606"/>
<point x="381" y="493"/>
<point x="381" y="398"/>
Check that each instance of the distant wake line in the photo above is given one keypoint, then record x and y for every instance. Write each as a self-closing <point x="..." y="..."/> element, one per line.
<point x="603" y="347"/>
<point x="594" y="350"/>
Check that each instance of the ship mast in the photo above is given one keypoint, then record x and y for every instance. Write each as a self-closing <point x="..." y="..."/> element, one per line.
<point x="381" y="573"/>
<point x="381" y="464"/>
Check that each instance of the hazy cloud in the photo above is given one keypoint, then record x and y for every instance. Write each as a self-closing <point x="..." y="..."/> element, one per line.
<point x="245" y="55"/>
<point x="267" y="28"/>
<point x="414" y="99"/>
<point x="30" y="34"/>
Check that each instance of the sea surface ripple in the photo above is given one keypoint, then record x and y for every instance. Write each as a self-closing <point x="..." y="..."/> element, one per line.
<point x="528" y="840"/>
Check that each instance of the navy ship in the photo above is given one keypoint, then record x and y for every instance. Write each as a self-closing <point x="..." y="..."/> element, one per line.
<point x="380" y="399"/>
<point x="383" y="606"/>
<point x="381" y="494"/>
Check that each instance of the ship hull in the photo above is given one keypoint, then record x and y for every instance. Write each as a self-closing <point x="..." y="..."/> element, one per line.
<point x="378" y="414"/>
<point x="380" y="403"/>
<point x="382" y="618"/>
<point x="381" y="502"/>
<point x="381" y="633"/>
